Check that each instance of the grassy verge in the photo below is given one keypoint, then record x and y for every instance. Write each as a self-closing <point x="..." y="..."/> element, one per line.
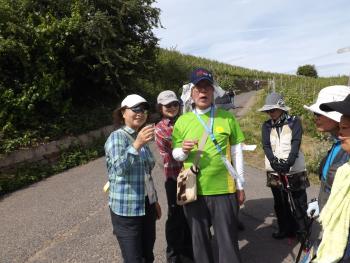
<point x="27" y="174"/>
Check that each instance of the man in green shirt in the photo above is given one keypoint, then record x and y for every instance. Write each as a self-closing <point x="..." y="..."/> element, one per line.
<point x="219" y="192"/>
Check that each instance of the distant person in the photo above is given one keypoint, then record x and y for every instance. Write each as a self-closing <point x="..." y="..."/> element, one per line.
<point x="226" y="101"/>
<point x="231" y="93"/>
<point x="218" y="194"/>
<point x="177" y="232"/>
<point x="133" y="200"/>
<point x="334" y="217"/>
<point x="256" y="84"/>
<point x="281" y="139"/>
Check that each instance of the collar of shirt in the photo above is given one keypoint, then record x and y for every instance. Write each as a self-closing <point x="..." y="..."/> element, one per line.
<point x="199" y="111"/>
<point x="168" y="121"/>
<point x="334" y="138"/>
<point x="129" y="130"/>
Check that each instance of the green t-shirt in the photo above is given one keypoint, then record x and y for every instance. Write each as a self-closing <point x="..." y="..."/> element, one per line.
<point x="213" y="177"/>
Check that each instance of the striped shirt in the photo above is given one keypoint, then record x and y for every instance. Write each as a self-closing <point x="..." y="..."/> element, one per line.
<point x="127" y="169"/>
<point x="163" y="132"/>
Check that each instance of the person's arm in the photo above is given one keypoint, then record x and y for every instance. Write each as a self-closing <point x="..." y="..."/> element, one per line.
<point x="266" y="143"/>
<point x="236" y="138"/>
<point x="150" y="158"/>
<point x="120" y="153"/>
<point x="237" y="160"/>
<point x="164" y="145"/>
<point x="297" y="133"/>
<point x="179" y="155"/>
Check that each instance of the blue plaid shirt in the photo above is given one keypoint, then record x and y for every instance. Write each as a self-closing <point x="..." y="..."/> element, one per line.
<point x="126" y="171"/>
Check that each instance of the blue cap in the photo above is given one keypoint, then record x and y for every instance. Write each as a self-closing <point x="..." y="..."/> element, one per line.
<point x="201" y="73"/>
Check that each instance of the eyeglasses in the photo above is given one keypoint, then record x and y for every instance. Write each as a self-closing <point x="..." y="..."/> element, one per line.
<point x="138" y="109"/>
<point x="203" y="87"/>
<point x="172" y="104"/>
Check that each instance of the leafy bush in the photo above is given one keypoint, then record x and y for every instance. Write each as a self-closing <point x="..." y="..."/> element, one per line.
<point x="59" y="58"/>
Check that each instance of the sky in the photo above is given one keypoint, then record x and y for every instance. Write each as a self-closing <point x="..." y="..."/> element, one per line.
<point x="268" y="35"/>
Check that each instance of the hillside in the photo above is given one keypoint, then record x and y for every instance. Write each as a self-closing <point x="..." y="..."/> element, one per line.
<point x="171" y="71"/>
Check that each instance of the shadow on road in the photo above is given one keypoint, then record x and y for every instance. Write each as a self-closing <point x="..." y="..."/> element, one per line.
<point x="256" y="243"/>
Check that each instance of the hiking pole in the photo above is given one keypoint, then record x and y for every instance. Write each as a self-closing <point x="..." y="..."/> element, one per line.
<point x="306" y="237"/>
<point x="287" y="188"/>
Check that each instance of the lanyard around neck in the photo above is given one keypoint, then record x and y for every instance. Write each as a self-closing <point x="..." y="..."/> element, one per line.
<point x="210" y="130"/>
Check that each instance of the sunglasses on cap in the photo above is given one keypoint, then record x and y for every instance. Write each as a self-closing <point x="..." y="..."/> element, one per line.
<point x="139" y="109"/>
<point x="171" y="104"/>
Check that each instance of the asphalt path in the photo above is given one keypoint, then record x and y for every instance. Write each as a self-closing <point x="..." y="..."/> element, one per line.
<point x="65" y="218"/>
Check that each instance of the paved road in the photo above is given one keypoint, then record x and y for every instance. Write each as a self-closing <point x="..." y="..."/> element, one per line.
<point x="65" y="218"/>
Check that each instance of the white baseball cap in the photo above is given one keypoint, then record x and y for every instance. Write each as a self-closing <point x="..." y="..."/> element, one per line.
<point x="132" y="100"/>
<point x="329" y="94"/>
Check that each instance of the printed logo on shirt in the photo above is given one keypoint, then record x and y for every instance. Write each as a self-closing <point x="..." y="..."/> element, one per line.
<point x="219" y="129"/>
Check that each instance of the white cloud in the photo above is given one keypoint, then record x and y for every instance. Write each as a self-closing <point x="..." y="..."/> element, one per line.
<point x="271" y="35"/>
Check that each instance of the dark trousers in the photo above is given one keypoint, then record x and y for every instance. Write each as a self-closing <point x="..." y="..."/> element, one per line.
<point x="177" y="232"/>
<point x="220" y="212"/>
<point x="136" y="235"/>
<point x="287" y="221"/>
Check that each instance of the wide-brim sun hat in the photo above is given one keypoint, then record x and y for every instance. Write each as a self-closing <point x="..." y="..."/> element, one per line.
<point x="343" y="107"/>
<point x="326" y="95"/>
<point x="274" y="101"/>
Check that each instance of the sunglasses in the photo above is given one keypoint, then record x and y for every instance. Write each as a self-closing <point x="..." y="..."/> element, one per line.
<point x="270" y="111"/>
<point x="139" y="109"/>
<point x="172" y="104"/>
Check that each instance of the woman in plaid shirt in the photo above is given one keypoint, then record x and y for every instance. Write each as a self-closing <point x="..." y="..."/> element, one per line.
<point x="132" y="197"/>
<point x="179" y="244"/>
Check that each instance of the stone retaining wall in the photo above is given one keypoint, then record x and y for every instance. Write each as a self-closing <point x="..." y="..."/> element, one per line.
<point x="46" y="151"/>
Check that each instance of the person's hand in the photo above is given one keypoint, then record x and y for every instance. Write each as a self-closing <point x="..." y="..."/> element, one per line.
<point x="313" y="209"/>
<point x="145" y="135"/>
<point x="188" y="145"/>
<point x="275" y="164"/>
<point x="284" y="166"/>
<point x="240" y="196"/>
<point x="158" y="211"/>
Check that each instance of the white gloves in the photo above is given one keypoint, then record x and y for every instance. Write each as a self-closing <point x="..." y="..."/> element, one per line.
<point x="312" y="209"/>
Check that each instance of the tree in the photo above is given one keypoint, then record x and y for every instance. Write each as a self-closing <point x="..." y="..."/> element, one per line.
<point x="307" y="70"/>
<point x="58" y="55"/>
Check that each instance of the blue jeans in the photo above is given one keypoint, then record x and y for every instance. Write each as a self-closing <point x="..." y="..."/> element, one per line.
<point x="136" y="235"/>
